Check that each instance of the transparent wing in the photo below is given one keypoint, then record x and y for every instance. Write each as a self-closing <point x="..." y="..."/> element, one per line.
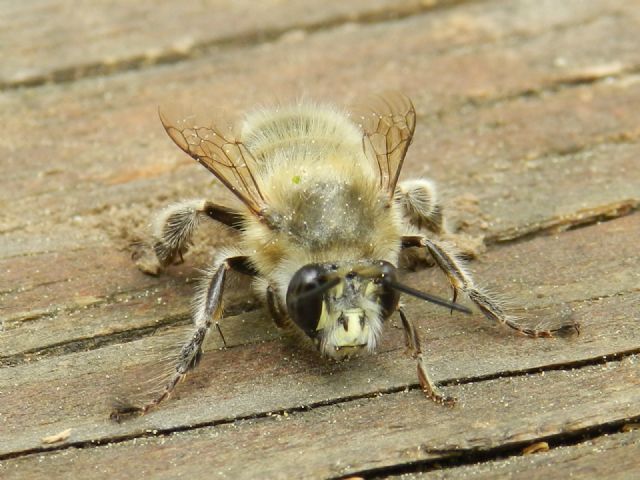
<point x="388" y="122"/>
<point x="222" y="154"/>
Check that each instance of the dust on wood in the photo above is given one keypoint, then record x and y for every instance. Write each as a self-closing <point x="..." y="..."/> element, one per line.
<point x="376" y="433"/>
<point x="609" y="456"/>
<point x="528" y="122"/>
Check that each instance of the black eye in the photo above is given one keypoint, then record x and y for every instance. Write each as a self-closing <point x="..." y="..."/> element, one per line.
<point x="304" y="308"/>
<point x="389" y="297"/>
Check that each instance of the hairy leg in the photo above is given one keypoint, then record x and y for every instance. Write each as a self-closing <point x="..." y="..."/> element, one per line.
<point x="275" y="309"/>
<point x="207" y="310"/>
<point x="421" y="208"/>
<point x="419" y="203"/>
<point x="460" y="279"/>
<point x="412" y="340"/>
<point x="173" y="229"/>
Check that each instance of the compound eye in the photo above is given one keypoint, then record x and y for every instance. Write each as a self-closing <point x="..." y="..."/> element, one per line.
<point x="304" y="307"/>
<point x="389" y="297"/>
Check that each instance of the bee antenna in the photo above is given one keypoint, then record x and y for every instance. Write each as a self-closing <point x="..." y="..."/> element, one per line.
<point x="320" y="289"/>
<point x="425" y="296"/>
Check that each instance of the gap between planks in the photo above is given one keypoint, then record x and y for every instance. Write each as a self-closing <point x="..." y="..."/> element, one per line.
<point x="246" y="39"/>
<point x="170" y="56"/>
<point x="466" y="455"/>
<point x="507" y="444"/>
<point x="455" y="459"/>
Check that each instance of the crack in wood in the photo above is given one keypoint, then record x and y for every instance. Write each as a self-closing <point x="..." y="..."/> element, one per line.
<point x="459" y="456"/>
<point x="592" y="78"/>
<point x="91" y="343"/>
<point x="579" y="219"/>
<point x="249" y="39"/>
<point x="246" y="39"/>
<point x="121" y="337"/>
<point x="453" y="458"/>
<point x="565" y="366"/>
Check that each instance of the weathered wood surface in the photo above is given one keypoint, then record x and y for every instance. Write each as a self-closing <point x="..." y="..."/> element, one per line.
<point x="589" y="459"/>
<point x="117" y="36"/>
<point x="528" y="120"/>
<point x="373" y="433"/>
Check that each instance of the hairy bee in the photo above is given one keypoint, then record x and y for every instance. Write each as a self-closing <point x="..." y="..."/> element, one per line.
<point x="322" y="224"/>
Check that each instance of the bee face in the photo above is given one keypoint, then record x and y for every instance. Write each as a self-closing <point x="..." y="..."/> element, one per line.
<point x="342" y="308"/>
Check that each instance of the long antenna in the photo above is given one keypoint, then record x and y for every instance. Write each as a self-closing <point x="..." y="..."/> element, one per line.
<point x="323" y="287"/>
<point x="425" y="296"/>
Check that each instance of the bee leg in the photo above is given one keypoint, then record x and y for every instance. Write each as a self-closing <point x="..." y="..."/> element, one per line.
<point x="412" y="340"/>
<point x="275" y="309"/>
<point x="419" y="203"/>
<point x="173" y="230"/>
<point x="207" y="310"/>
<point x="448" y="261"/>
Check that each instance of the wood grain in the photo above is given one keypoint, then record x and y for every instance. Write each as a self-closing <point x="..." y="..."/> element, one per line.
<point x="458" y="349"/>
<point x="369" y="434"/>
<point x="528" y="121"/>
<point x="113" y="36"/>
<point x="604" y="457"/>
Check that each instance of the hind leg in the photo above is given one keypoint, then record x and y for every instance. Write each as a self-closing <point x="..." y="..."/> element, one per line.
<point x="173" y="229"/>
<point x="419" y="201"/>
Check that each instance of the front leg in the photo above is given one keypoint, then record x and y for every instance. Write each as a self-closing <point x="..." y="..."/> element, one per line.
<point x="460" y="279"/>
<point x="278" y="314"/>
<point x="207" y="309"/>
<point x="428" y="386"/>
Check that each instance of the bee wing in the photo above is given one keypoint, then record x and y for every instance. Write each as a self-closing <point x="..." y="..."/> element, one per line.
<point x="220" y="152"/>
<point x="388" y="122"/>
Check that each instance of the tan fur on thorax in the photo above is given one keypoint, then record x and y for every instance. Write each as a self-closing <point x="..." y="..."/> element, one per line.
<point x="324" y="202"/>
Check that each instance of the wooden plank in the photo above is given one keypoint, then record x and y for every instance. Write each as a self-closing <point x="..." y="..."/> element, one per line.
<point x="99" y="188"/>
<point x="80" y="40"/>
<point x="227" y="382"/>
<point x="85" y="163"/>
<point x="99" y="177"/>
<point x="367" y="434"/>
<point x="612" y="457"/>
<point x="106" y="179"/>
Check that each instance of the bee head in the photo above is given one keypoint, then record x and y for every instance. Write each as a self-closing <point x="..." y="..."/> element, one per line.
<point x="342" y="308"/>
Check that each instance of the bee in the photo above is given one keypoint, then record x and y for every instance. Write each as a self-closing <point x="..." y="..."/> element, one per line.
<point x="322" y="224"/>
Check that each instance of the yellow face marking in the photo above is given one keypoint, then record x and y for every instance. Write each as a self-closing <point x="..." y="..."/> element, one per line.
<point x="355" y="331"/>
<point x="324" y="317"/>
<point x="339" y="290"/>
<point x="370" y="289"/>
